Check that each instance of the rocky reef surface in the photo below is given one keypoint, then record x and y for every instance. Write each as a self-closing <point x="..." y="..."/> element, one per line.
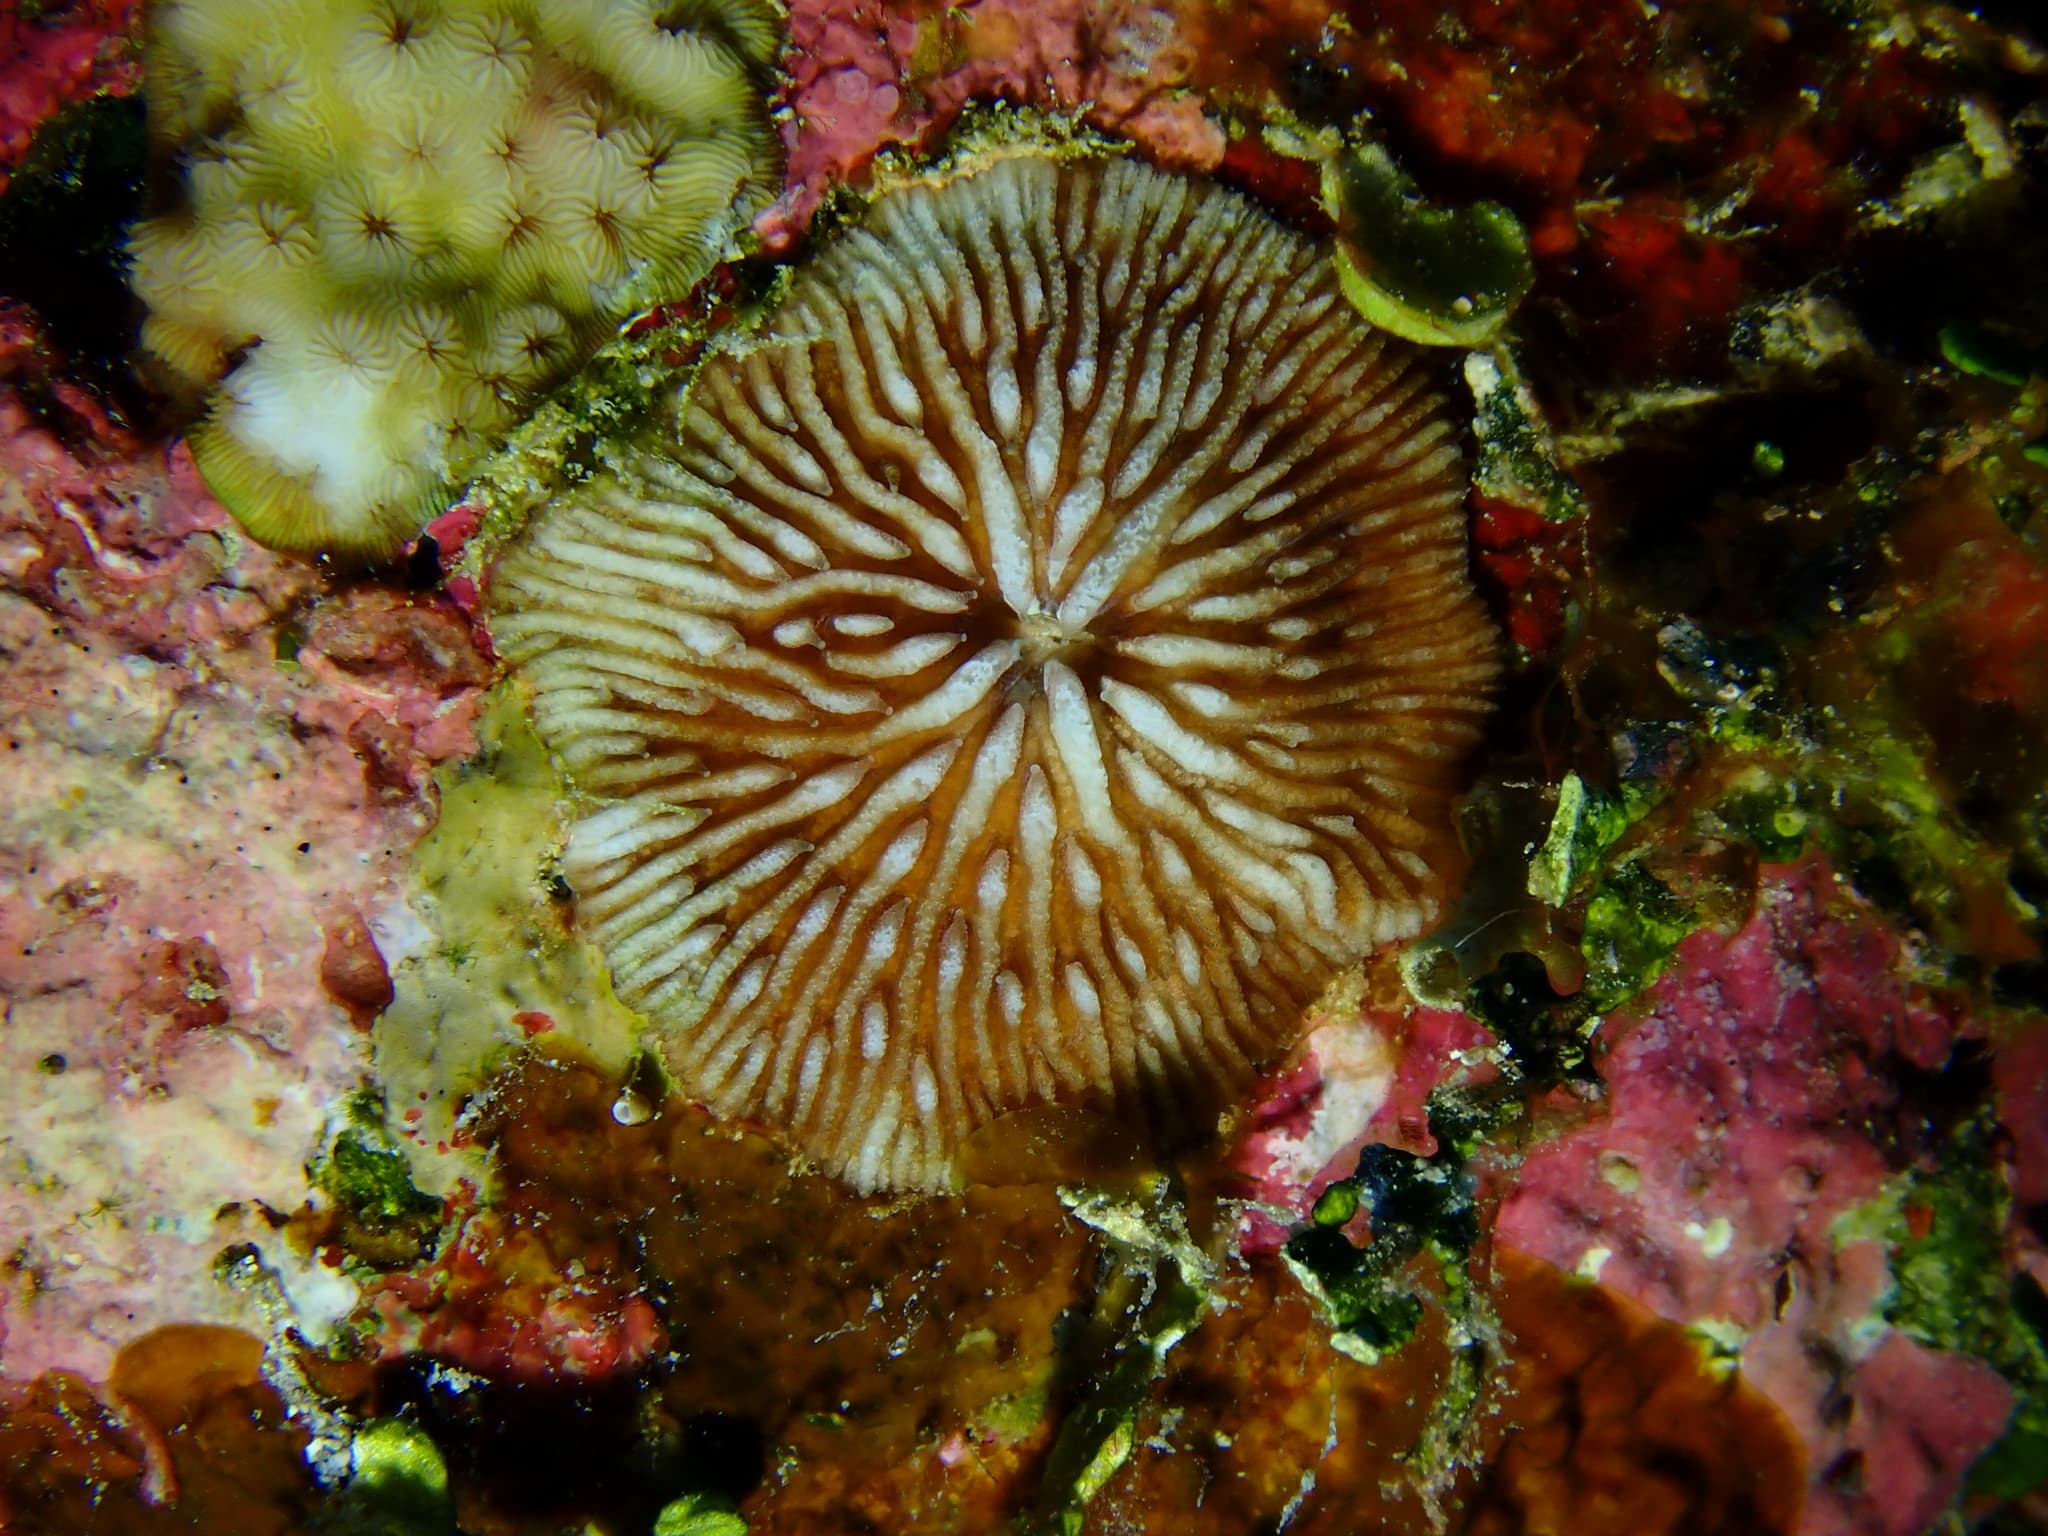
<point x="1691" y="1174"/>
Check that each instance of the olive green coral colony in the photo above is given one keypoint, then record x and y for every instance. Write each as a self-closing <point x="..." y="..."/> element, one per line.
<point x="401" y="220"/>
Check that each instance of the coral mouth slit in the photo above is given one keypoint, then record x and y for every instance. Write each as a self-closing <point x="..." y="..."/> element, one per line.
<point x="1025" y="674"/>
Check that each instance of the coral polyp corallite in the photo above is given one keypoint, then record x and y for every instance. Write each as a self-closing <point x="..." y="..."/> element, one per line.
<point x="1025" y="674"/>
<point x="380" y="198"/>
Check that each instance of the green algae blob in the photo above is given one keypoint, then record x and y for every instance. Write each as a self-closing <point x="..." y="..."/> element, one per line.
<point x="1437" y="276"/>
<point x="400" y="1486"/>
<point x="698" y="1514"/>
<point x="497" y="962"/>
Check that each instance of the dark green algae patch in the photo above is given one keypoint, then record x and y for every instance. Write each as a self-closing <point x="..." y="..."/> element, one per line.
<point x="383" y="1218"/>
<point x="1440" y="276"/>
<point x="1413" y="1205"/>
<point x="1946" y="1225"/>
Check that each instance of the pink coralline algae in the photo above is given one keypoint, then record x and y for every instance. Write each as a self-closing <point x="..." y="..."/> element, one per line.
<point x="2021" y="1077"/>
<point x="868" y="76"/>
<point x="1917" y="1420"/>
<point x="214" y="766"/>
<point x="63" y="54"/>
<point x="1754" y="1102"/>
<point x="1357" y="1079"/>
<point x="495" y="1303"/>
<point x="2023" y="1088"/>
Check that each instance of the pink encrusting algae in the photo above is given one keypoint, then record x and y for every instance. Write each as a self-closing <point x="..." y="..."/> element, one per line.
<point x="1754" y="1103"/>
<point x="1360" y="1077"/>
<point x="68" y="53"/>
<point x="217" y="770"/>
<point x="868" y="76"/>
<point x="495" y="1302"/>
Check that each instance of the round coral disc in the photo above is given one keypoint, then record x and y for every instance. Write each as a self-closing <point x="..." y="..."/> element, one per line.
<point x="1025" y="674"/>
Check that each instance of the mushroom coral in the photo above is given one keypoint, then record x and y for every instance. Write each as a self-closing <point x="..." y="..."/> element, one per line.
<point x="1023" y="674"/>
<point x="401" y="219"/>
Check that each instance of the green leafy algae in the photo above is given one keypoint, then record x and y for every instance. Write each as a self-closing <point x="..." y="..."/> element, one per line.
<point x="1437" y="276"/>
<point x="1155" y="1292"/>
<point x="386" y="1218"/>
<point x="375" y="1183"/>
<point x="1588" y="822"/>
<point x="1633" y="923"/>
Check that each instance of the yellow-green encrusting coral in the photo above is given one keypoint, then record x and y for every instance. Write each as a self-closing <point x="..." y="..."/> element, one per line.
<point x="403" y="218"/>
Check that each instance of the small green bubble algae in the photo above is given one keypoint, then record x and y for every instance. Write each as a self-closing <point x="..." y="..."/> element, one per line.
<point x="1336" y="1205"/>
<point x="1985" y="354"/>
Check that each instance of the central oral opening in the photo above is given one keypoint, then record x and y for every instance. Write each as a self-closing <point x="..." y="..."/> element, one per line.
<point x="1045" y="639"/>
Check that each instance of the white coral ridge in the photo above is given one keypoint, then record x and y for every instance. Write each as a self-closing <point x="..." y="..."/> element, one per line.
<point x="1023" y="675"/>
<point x="402" y="219"/>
